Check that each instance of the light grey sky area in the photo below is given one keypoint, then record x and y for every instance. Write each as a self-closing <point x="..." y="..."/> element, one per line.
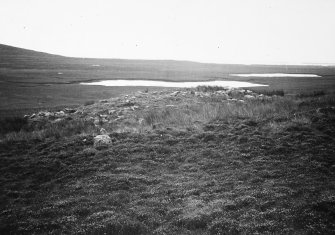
<point x="219" y="31"/>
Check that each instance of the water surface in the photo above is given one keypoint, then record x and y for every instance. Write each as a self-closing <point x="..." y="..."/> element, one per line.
<point x="151" y="83"/>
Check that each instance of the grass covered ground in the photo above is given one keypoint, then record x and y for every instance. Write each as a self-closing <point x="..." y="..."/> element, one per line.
<point x="189" y="161"/>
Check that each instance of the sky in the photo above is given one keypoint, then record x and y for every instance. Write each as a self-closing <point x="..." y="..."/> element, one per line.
<point x="215" y="31"/>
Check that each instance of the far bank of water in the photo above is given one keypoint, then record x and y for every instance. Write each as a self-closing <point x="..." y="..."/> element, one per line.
<point x="276" y="75"/>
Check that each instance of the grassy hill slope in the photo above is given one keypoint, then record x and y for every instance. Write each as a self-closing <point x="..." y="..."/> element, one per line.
<point x="187" y="161"/>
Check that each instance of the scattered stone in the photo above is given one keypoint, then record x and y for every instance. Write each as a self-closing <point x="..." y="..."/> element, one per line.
<point x="250" y="97"/>
<point x="221" y="92"/>
<point x="60" y="114"/>
<point x="57" y="120"/>
<point x="112" y="111"/>
<point x="175" y="93"/>
<point x="68" y="110"/>
<point x="119" y="118"/>
<point x="103" y="131"/>
<point x="141" y="121"/>
<point x="234" y="92"/>
<point x="102" y="140"/>
<point x="96" y="122"/>
<point x="117" y="110"/>
<point x="44" y="114"/>
<point x="198" y="94"/>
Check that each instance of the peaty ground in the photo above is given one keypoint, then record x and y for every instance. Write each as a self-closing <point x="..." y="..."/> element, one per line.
<point x="204" y="161"/>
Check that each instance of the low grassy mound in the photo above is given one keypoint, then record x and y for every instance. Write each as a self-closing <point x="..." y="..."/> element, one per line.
<point x="189" y="161"/>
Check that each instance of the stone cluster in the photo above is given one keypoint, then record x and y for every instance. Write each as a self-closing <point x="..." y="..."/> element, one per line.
<point x="129" y="109"/>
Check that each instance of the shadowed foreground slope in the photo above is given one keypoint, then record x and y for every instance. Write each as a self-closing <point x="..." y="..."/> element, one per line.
<point x="205" y="161"/>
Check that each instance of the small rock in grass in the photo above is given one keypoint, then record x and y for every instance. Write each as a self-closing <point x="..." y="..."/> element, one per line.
<point x="102" y="140"/>
<point x="68" y="110"/>
<point x="175" y="93"/>
<point x="112" y="111"/>
<point x="249" y="97"/>
<point x="60" y="114"/>
<point x="103" y="131"/>
<point x="57" y="120"/>
<point x="141" y="121"/>
<point x="96" y="122"/>
<point x="44" y="114"/>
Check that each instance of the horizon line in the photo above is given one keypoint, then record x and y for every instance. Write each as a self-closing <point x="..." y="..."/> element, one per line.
<point x="178" y="60"/>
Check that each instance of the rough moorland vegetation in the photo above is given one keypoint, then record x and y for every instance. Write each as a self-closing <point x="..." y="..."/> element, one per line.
<point x="187" y="161"/>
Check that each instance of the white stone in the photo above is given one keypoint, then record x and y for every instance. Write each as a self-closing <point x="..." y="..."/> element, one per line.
<point x="102" y="140"/>
<point x="249" y="97"/>
<point x="60" y="114"/>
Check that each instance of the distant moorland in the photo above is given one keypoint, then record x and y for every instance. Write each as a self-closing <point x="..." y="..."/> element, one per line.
<point x="32" y="81"/>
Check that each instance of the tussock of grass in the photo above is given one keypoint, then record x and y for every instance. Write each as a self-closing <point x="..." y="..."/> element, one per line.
<point x="89" y="102"/>
<point x="12" y="124"/>
<point x="271" y="92"/>
<point x="41" y="131"/>
<point x="209" y="88"/>
<point x="311" y="94"/>
<point x="190" y="115"/>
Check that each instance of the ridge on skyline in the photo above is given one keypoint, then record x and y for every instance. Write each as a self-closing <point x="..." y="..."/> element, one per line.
<point x="11" y="53"/>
